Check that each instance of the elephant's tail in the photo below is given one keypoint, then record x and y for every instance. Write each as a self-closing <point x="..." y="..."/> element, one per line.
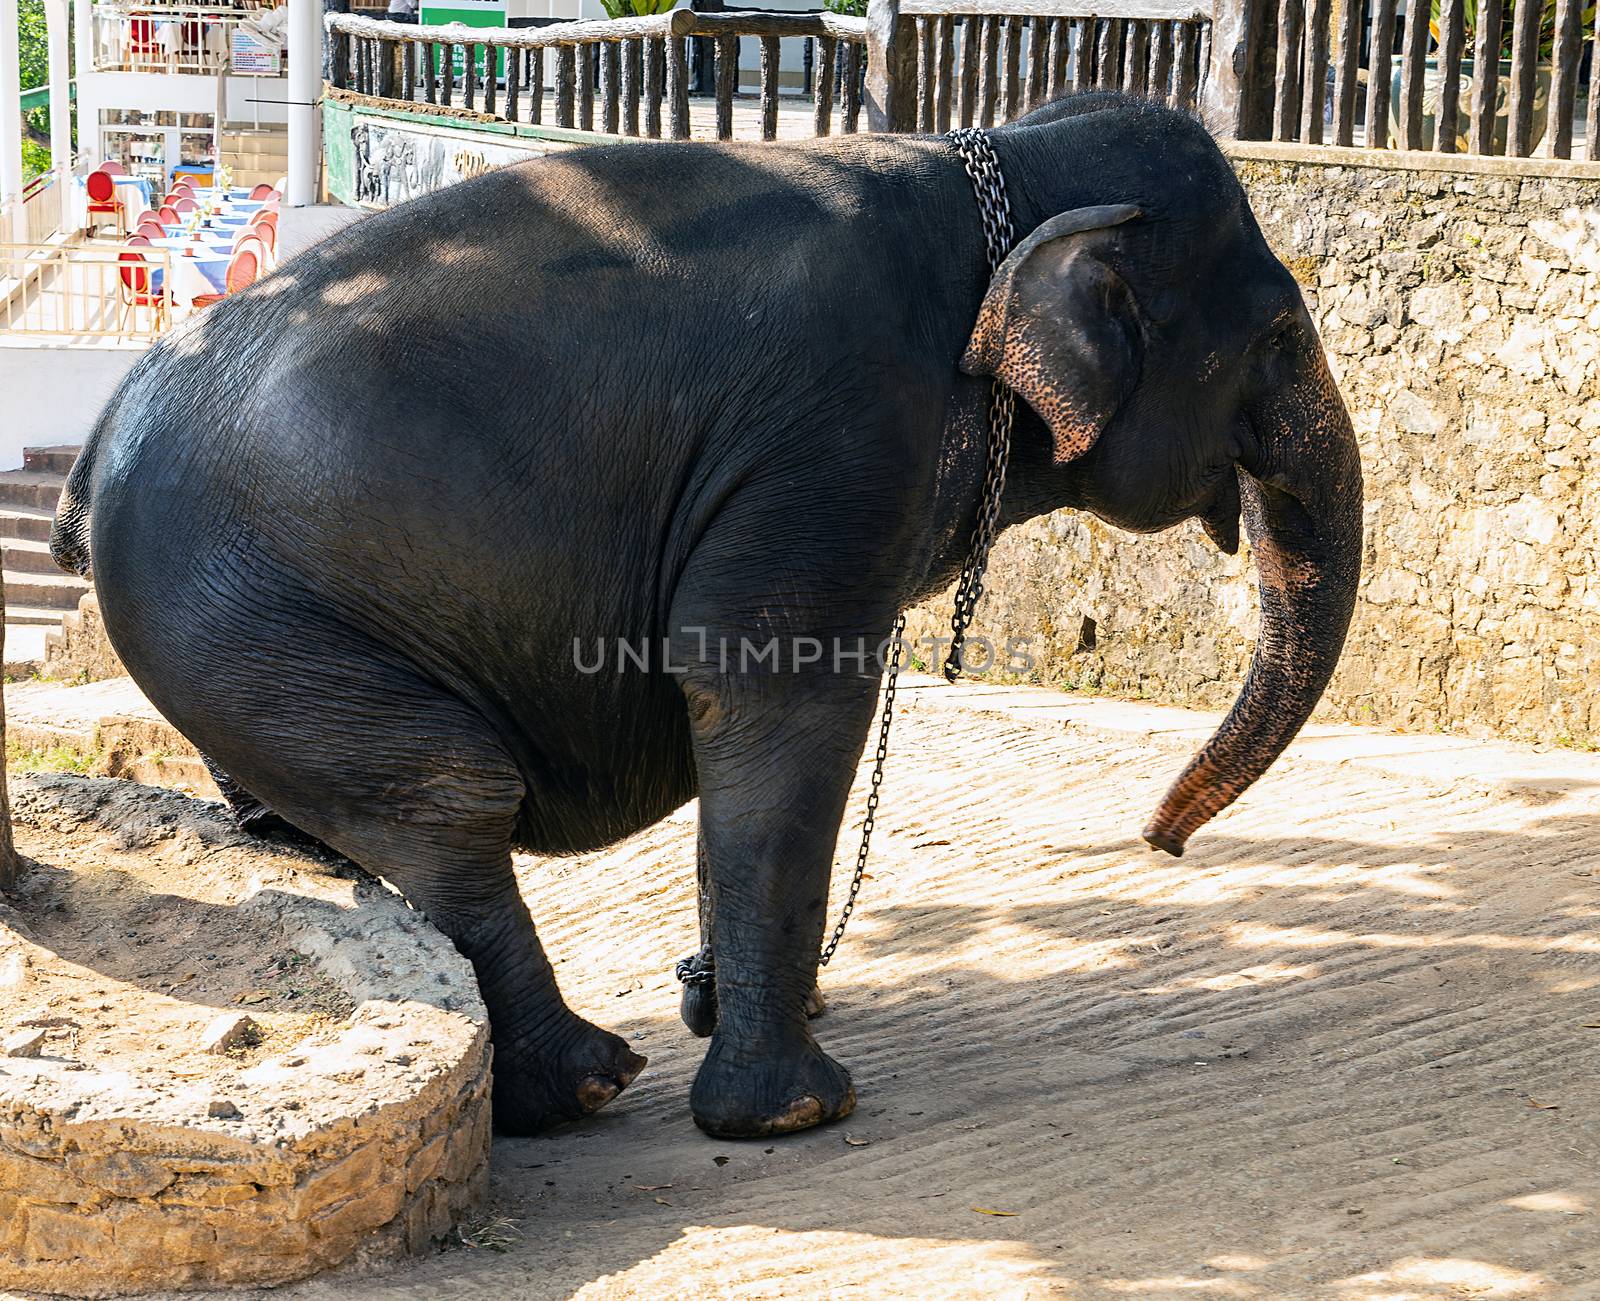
<point x="69" y="532"/>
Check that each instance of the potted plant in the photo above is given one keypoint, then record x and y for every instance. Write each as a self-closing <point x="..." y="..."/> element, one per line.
<point x="1433" y="79"/>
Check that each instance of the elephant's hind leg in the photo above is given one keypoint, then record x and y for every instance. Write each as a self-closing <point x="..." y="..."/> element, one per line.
<point x="409" y="782"/>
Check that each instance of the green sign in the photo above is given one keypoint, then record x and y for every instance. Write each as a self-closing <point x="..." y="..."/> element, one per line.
<point x="469" y="13"/>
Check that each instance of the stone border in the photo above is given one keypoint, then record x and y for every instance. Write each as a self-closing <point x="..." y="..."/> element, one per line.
<point x="358" y="1150"/>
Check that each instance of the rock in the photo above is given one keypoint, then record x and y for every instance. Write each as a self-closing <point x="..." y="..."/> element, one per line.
<point x="228" y="1031"/>
<point x="223" y="1109"/>
<point x="23" y="1043"/>
<point x="14" y="970"/>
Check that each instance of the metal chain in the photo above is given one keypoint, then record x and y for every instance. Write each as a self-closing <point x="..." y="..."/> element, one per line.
<point x="994" y="208"/>
<point x="983" y="168"/>
<point x="871" y="820"/>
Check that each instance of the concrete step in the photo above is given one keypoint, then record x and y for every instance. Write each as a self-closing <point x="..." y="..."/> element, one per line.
<point x="25" y="643"/>
<point x="28" y="522"/>
<point x="50" y="460"/>
<point x="28" y="556"/>
<point x="31" y="488"/>
<point x="107" y="728"/>
<point x="55" y="591"/>
<point x="36" y="615"/>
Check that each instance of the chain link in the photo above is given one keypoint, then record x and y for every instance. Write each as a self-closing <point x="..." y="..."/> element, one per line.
<point x="983" y="168"/>
<point x="994" y="209"/>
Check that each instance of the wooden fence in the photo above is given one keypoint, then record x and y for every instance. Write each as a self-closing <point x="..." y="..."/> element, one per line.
<point x="1343" y="72"/>
<point x="1503" y="77"/>
<point x="938" y="63"/>
<point x="623" y="76"/>
<point x="959" y="62"/>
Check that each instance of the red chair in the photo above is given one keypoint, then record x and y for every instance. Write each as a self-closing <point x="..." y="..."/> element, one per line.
<point x="103" y="204"/>
<point x="168" y="216"/>
<point x="267" y="231"/>
<point x="180" y="188"/>
<point x="136" y="288"/>
<point x="151" y="228"/>
<point x="243" y="268"/>
<point x="184" y="205"/>
<point x="115" y="168"/>
<point x="259" y="192"/>
<point x="141" y="240"/>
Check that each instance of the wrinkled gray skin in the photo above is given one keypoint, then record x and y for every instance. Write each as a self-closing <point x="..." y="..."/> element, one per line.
<point x="346" y="531"/>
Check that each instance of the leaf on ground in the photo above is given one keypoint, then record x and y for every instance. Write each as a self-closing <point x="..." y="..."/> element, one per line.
<point x="253" y="996"/>
<point x="1543" y="1106"/>
<point x="988" y="1210"/>
<point x="652" y="1188"/>
<point x="929" y="844"/>
<point x="852" y="1141"/>
<point x="662" y="1201"/>
<point x="1590" y="1025"/>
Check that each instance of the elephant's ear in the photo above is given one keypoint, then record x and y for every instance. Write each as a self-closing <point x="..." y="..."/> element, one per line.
<point x="1062" y="328"/>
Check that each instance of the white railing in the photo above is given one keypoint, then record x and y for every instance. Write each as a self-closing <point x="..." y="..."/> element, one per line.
<point x="84" y="290"/>
<point x="165" y="38"/>
<point x="41" y="209"/>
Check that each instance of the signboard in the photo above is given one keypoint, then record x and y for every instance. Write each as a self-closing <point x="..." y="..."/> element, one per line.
<point x="253" y="57"/>
<point x="469" y="13"/>
<point x="375" y="160"/>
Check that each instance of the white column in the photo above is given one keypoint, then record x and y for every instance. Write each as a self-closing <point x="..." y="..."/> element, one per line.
<point x="10" y="121"/>
<point x="83" y="52"/>
<point x="56" y="16"/>
<point x="305" y="86"/>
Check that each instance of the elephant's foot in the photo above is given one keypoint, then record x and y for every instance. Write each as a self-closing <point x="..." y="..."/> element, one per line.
<point x="535" y="1090"/>
<point x="740" y="1094"/>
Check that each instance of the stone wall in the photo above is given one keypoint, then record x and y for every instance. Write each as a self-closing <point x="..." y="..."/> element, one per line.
<point x="1461" y="314"/>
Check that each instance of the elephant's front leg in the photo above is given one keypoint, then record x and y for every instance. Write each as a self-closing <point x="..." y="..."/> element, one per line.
<point x="776" y="754"/>
<point x="698" y="971"/>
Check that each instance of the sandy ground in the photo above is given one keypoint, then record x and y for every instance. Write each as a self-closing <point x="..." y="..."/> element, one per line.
<point x="1345" y="1048"/>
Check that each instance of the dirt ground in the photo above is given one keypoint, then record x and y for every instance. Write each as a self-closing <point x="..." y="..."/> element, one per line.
<point x="122" y="954"/>
<point x="1345" y="1048"/>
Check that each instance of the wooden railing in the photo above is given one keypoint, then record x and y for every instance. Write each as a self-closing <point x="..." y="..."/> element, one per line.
<point x="1304" y="63"/>
<point x="623" y="76"/>
<point x="1341" y="72"/>
<point x="978" y="62"/>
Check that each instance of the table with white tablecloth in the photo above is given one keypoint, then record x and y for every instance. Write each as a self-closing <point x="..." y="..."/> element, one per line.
<point x="198" y="268"/>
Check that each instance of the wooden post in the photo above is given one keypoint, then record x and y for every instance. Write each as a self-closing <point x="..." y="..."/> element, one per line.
<point x="850" y="57"/>
<point x="1451" y="36"/>
<point x="1524" y="69"/>
<point x="677" y="88"/>
<point x="891" y="68"/>
<point x="1565" y="57"/>
<point x="1244" y="47"/>
<point x="655" y="72"/>
<point x="769" y="87"/>
<point x="1485" y="76"/>
<point x="970" y="35"/>
<point x="822" y="111"/>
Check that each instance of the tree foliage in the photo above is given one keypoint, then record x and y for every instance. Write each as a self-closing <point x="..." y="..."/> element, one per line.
<point x="33" y="59"/>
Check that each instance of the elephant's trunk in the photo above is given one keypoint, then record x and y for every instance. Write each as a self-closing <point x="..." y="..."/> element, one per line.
<point x="1302" y="512"/>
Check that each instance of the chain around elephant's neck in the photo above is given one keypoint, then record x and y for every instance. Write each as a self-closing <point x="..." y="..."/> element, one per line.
<point x="698" y="970"/>
<point x="989" y="185"/>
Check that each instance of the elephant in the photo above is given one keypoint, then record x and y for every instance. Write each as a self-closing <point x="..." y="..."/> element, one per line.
<point x="363" y="530"/>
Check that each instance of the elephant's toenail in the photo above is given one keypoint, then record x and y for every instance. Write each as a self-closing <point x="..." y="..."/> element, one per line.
<point x="596" y="1090"/>
<point x="802" y="1113"/>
